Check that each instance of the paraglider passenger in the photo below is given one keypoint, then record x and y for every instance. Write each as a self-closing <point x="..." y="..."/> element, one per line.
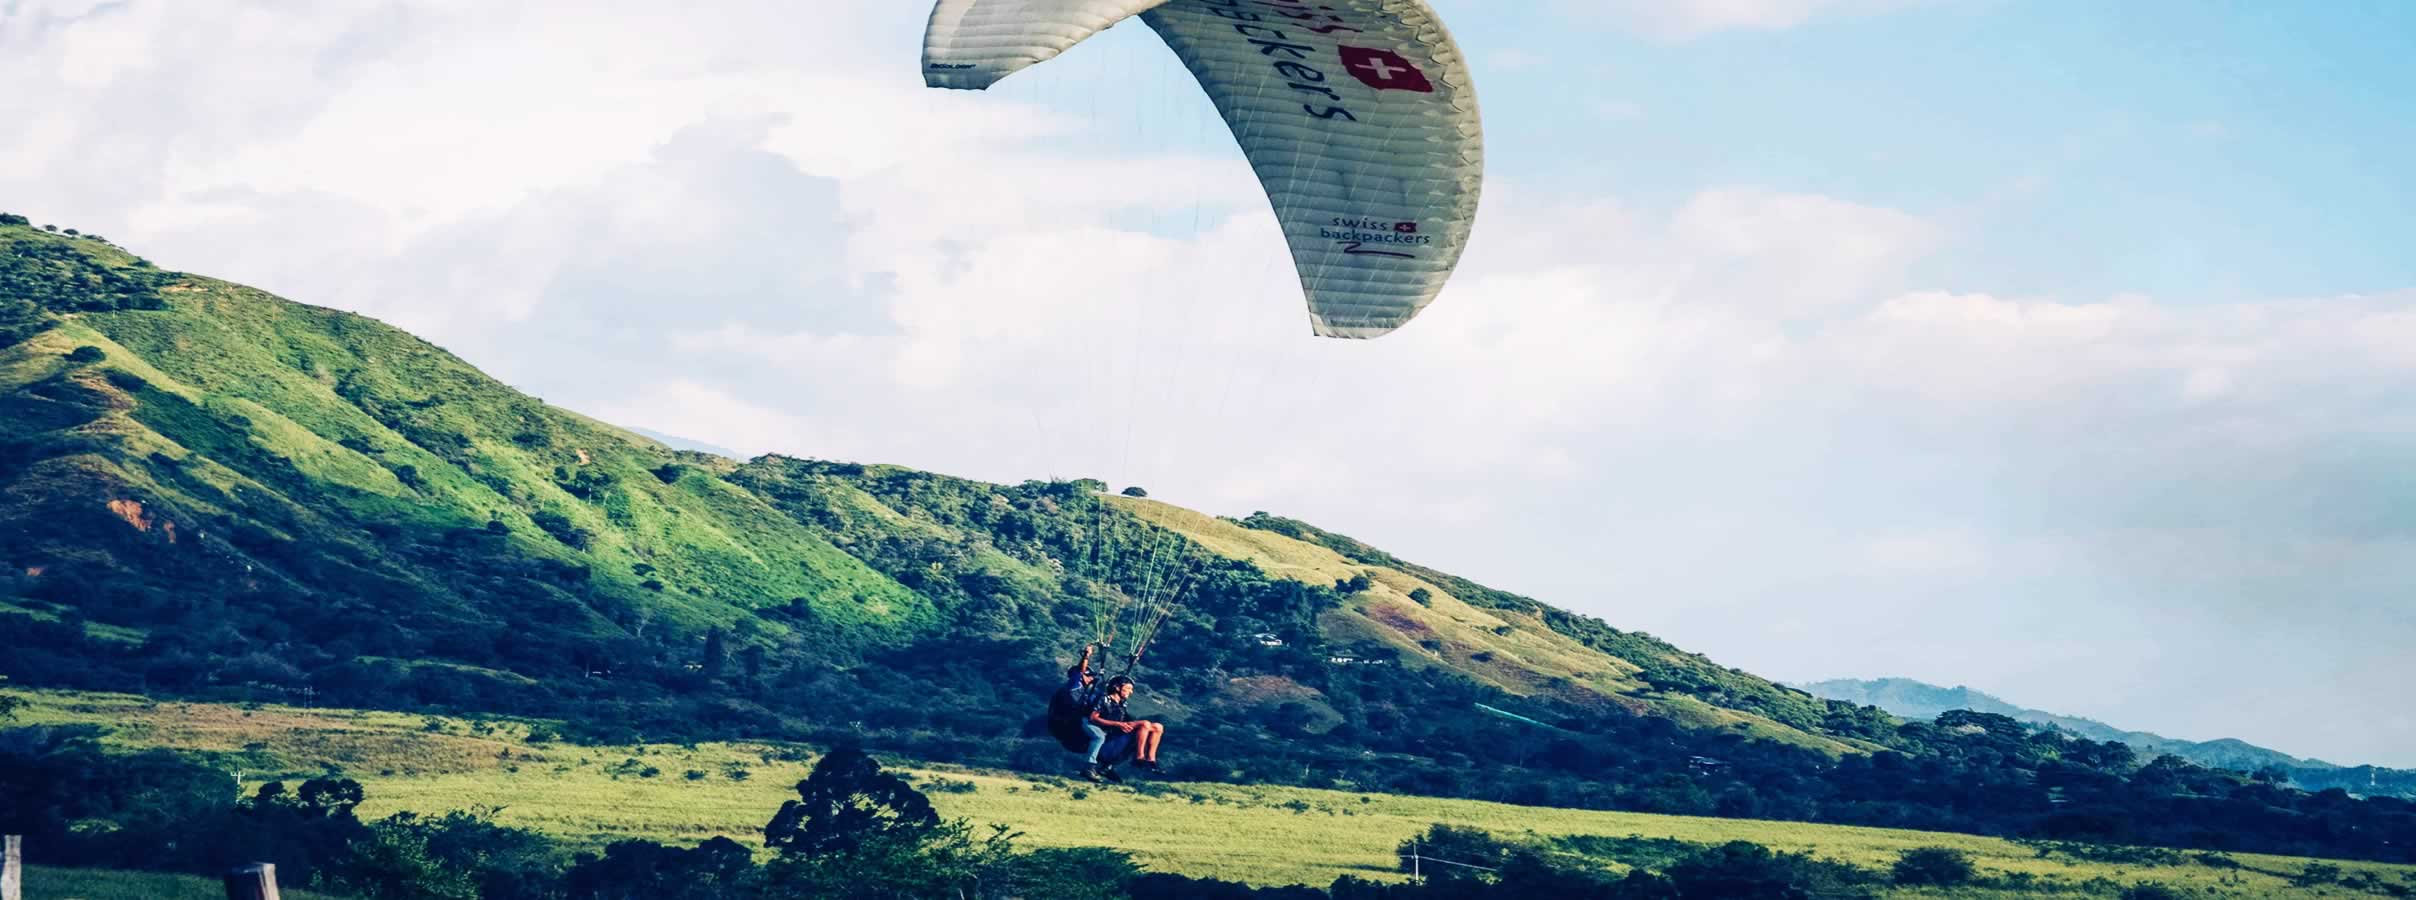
<point x="1070" y="707"/>
<point x="1138" y="738"/>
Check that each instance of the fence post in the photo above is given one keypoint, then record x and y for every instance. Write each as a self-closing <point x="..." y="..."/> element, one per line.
<point x="1416" y="862"/>
<point x="12" y="868"/>
<point x="255" y="881"/>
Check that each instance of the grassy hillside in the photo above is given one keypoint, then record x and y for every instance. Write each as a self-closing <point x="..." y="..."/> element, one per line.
<point x="1511" y="644"/>
<point x="210" y="493"/>
<point x="176" y="435"/>
<point x="1263" y="835"/>
<point x="255" y="441"/>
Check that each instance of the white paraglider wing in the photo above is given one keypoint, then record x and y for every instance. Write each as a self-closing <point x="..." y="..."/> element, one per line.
<point x="1359" y="117"/>
<point x="1362" y="123"/>
<point x="971" y="44"/>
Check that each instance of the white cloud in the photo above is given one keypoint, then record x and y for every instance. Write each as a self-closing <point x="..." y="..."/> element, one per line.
<point x="1793" y="253"/>
<point x="682" y="407"/>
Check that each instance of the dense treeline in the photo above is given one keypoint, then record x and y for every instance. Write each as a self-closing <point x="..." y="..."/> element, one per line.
<point x="216" y="559"/>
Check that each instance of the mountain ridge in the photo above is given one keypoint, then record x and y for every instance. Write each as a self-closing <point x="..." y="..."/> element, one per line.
<point x="1915" y="699"/>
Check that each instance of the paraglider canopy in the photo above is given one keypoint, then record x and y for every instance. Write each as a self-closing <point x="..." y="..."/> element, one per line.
<point x="1358" y="116"/>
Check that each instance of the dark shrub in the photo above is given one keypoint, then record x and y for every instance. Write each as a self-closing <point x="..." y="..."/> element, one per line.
<point x="1933" y="865"/>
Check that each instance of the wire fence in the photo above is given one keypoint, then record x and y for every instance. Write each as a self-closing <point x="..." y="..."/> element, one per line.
<point x="1418" y="861"/>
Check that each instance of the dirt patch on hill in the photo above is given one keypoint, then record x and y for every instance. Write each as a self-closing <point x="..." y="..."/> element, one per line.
<point x="132" y="511"/>
<point x="1398" y="619"/>
<point x="304" y="741"/>
<point x="1258" y="689"/>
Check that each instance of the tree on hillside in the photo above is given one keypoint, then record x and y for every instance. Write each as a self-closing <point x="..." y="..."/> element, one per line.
<point x="1456" y="848"/>
<point x="86" y="354"/>
<point x="858" y="833"/>
<point x="846" y="801"/>
<point x="2003" y="727"/>
<point x="716" y="657"/>
<point x="1933" y="866"/>
<point x="1738" y="869"/>
<point x="392" y="861"/>
<point x="717" y="868"/>
<point x="303" y="829"/>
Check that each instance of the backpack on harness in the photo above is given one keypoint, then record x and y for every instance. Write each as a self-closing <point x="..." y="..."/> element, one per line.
<point x="1066" y="713"/>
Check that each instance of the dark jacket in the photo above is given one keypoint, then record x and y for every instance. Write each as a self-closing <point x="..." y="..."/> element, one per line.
<point x="1068" y="706"/>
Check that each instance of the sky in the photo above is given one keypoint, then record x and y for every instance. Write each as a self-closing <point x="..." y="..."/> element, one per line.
<point x="2065" y="350"/>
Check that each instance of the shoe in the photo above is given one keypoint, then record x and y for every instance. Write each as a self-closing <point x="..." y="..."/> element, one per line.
<point x="1150" y="764"/>
<point x="1109" y="772"/>
<point x="1091" y="772"/>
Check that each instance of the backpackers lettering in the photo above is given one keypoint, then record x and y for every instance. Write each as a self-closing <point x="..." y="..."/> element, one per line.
<point x="1276" y="28"/>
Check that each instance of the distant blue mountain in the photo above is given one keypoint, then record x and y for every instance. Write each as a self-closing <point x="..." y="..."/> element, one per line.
<point x="676" y="442"/>
<point x="1922" y="700"/>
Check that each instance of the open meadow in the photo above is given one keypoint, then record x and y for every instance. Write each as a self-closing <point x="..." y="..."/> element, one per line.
<point x="52" y="883"/>
<point x="592" y="795"/>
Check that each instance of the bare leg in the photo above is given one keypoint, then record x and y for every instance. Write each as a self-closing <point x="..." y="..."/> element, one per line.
<point x="1151" y="734"/>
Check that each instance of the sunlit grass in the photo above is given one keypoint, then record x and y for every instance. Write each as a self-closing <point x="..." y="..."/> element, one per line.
<point x="52" y="883"/>
<point x="1266" y="835"/>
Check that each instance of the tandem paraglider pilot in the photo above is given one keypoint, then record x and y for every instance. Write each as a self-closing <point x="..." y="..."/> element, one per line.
<point x="1135" y="739"/>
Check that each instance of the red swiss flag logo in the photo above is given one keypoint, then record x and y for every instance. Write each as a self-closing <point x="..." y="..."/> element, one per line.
<point x="1385" y="70"/>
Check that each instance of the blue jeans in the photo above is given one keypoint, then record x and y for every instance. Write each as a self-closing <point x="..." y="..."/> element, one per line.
<point x="1120" y="748"/>
<point x="1098" y="739"/>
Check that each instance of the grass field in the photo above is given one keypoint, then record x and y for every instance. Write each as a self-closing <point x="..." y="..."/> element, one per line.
<point x="1265" y="835"/>
<point x="47" y="883"/>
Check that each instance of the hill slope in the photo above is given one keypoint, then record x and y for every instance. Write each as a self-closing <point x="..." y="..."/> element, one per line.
<point x="283" y="496"/>
<point x="222" y="446"/>
<point x="1920" y="700"/>
<point x="209" y="492"/>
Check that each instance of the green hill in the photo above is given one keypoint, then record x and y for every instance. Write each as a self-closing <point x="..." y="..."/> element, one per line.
<point x="207" y="492"/>
<point x="220" y="446"/>
<point x="281" y="496"/>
